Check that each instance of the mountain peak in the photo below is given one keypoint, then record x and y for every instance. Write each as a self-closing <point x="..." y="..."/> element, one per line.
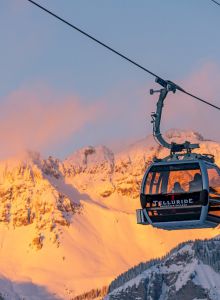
<point x="189" y="271"/>
<point x="77" y="212"/>
<point x="90" y="156"/>
<point x="177" y="135"/>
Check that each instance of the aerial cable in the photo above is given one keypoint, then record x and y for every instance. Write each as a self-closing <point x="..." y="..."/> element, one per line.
<point x="215" y="2"/>
<point x="158" y="78"/>
<point x="202" y="100"/>
<point x="94" y="39"/>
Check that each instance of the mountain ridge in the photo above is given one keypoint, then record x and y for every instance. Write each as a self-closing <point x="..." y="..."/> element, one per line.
<point x="73" y="221"/>
<point x="189" y="271"/>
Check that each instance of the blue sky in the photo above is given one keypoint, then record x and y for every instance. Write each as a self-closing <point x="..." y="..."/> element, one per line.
<point x="174" y="39"/>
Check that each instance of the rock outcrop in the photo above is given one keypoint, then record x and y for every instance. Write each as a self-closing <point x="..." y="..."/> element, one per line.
<point x="190" y="271"/>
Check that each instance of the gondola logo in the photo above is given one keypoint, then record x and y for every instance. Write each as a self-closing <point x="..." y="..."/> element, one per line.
<point x="168" y="203"/>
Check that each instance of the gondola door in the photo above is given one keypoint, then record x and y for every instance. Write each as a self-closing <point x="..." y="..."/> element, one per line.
<point x="214" y="193"/>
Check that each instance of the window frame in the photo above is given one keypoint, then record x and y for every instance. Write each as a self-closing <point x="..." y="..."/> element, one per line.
<point x="216" y="202"/>
<point x="168" y="168"/>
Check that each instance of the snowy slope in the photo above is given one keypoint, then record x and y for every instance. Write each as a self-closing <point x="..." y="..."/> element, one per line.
<point x="14" y="290"/>
<point x="69" y="226"/>
<point x="191" y="271"/>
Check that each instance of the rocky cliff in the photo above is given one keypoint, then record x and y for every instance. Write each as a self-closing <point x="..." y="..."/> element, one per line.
<point x="69" y="226"/>
<point x="190" y="271"/>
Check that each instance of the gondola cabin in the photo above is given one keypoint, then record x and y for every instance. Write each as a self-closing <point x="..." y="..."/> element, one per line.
<point x="181" y="193"/>
<point x="181" y="190"/>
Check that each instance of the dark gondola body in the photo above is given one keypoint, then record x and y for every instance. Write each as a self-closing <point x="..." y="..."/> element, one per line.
<point x="172" y="198"/>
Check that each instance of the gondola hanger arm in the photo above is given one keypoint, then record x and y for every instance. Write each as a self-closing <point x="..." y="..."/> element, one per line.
<point x="168" y="86"/>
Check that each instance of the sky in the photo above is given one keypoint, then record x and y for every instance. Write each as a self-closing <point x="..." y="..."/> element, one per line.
<point x="61" y="91"/>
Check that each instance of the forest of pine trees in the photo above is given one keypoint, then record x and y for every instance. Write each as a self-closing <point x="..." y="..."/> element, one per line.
<point x="94" y="293"/>
<point x="207" y="251"/>
<point x="137" y="270"/>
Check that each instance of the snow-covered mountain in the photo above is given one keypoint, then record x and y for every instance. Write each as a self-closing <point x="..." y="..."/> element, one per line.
<point x="69" y="226"/>
<point x="190" y="271"/>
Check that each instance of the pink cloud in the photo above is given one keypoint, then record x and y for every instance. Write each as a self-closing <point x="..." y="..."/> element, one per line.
<point x="34" y="119"/>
